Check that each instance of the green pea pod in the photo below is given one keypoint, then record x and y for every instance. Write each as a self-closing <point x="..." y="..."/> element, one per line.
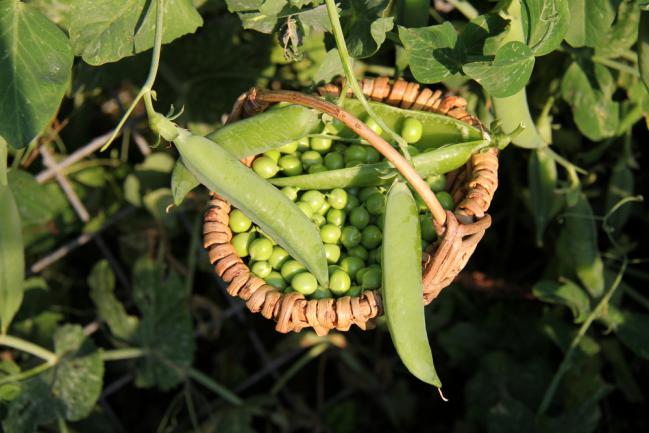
<point x="264" y="204"/>
<point x="542" y="178"/>
<point x="182" y="181"/>
<point x="438" y="129"/>
<point x="402" y="284"/>
<point x="643" y="47"/>
<point x="436" y="161"/>
<point x="577" y="248"/>
<point x="12" y="259"/>
<point x="268" y="130"/>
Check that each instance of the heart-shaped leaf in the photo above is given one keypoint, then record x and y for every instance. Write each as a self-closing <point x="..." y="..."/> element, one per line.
<point x="431" y="52"/>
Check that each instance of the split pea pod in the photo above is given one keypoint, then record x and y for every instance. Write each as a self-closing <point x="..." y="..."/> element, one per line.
<point x="265" y="205"/>
<point x="436" y="161"/>
<point x="402" y="287"/>
<point x="12" y="260"/>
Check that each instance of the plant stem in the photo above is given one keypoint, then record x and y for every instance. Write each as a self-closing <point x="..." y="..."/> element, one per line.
<point x="465" y="8"/>
<point x="565" y="364"/>
<point x="3" y="162"/>
<point x="212" y="385"/>
<point x="613" y="64"/>
<point x="27" y="374"/>
<point x="27" y="347"/>
<point x="345" y="59"/>
<point x="122" y="354"/>
<point x="150" y="80"/>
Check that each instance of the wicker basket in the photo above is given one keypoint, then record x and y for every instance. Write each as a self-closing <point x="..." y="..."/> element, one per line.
<point x="472" y="187"/>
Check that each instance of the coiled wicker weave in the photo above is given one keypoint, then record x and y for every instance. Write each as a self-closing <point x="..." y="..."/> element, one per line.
<point x="472" y="187"/>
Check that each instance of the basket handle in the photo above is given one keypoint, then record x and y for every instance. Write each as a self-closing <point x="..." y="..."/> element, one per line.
<point x="360" y="128"/>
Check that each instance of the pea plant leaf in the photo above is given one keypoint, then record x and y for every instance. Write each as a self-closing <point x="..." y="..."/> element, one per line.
<point x="329" y="67"/>
<point x="545" y="23"/>
<point x="590" y="20"/>
<point x="431" y="52"/>
<point x="109" y="308"/>
<point x="182" y="181"/>
<point x="565" y="293"/>
<point x="632" y="329"/>
<point x="620" y="186"/>
<point x="643" y="47"/>
<point x="542" y="178"/>
<point x="33" y="407"/>
<point x="508" y="73"/>
<point x="103" y="31"/>
<point x="264" y="15"/>
<point x="79" y="375"/>
<point x="35" y="70"/>
<point x="165" y="330"/>
<point x="577" y="248"/>
<point x="479" y="36"/>
<point x="588" y="89"/>
<point x="365" y="26"/>
<point x="31" y="198"/>
<point x="623" y="33"/>
<point x="12" y="258"/>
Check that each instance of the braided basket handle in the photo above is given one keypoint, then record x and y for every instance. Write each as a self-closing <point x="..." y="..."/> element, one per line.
<point x="260" y="99"/>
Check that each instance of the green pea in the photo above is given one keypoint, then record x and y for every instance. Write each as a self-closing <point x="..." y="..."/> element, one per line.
<point x="273" y="154"/>
<point x="290" y="192"/>
<point x="337" y="198"/>
<point x="276" y="280"/>
<point x="260" y="249"/>
<point x="311" y="158"/>
<point x="324" y="208"/>
<point x="354" y="291"/>
<point x="373" y="125"/>
<point x="278" y="257"/>
<point x="380" y="221"/>
<point x="306" y="208"/>
<point x="421" y="204"/>
<point x="350" y="236"/>
<point x="334" y="127"/>
<point x="375" y="204"/>
<point x="359" y="217"/>
<point x="321" y="145"/>
<point x="445" y="200"/>
<point x="371" y="279"/>
<point x="261" y="269"/>
<point x="289" y="148"/>
<point x="371" y="237"/>
<point x="352" y="202"/>
<point x="291" y="268"/>
<point x="352" y="265"/>
<point x="304" y="283"/>
<point x="330" y="234"/>
<point x="334" y="160"/>
<point x="336" y="217"/>
<point x="290" y="165"/>
<point x="333" y="268"/>
<point x="412" y="130"/>
<point x="373" y="156"/>
<point x="360" y="273"/>
<point x="318" y="219"/>
<point x="303" y="144"/>
<point x="359" y="251"/>
<point x="375" y="255"/>
<point x="339" y="147"/>
<point x="265" y="167"/>
<point x="437" y="182"/>
<point x="322" y="293"/>
<point x="317" y="168"/>
<point x="241" y="243"/>
<point x="239" y="222"/>
<point x="366" y="192"/>
<point x="339" y="282"/>
<point x="427" y="228"/>
<point x="315" y="199"/>
<point x="332" y="252"/>
<point x="355" y="153"/>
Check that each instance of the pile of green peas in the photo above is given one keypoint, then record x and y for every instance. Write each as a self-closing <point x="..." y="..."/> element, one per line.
<point x="350" y="220"/>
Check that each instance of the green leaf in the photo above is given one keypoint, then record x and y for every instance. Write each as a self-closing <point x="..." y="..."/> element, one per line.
<point x="620" y="186"/>
<point x="479" y="36"/>
<point x="32" y="199"/>
<point x="402" y="287"/>
<point x="103" y="31"/>
<point x="542" y="178"/>
<point x="623" y="33"/>
<point x="11" y="390"/>
<point x="12" y="259"/>
<point x="564" y="293"/>
<point x="545" y="23"/>
<point x="58" y="11"/>
<point x="588" y="89"/>
<point x="432" y="55"/>
<point x="508" y="73"/>
<point x="109" y="309"/>
<point x="631" y="328"/>
<point x="182" y="181"/>
<point x="78" y="379"/>
<point x="643" y="48"/>
<point x="329" y="68"/>
<point x="165" y="331"/>
<point x="365" y="26"/>
<point x="265" y="131"/>
<point x="32" y="408"/>
<point x="577" y="248"/>
<point x="259" y="15"/>
<point x="590" y="20"/>
<point x="316" y="19"/>
<point x="35" y="66"/>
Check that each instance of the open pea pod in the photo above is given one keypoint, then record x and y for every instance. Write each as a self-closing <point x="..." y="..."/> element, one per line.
<point x="12" y="259"/>
<point x="271" y="129"/>
<point x="438" y="129"/>
<point x="437" y="161"/>
<point x="264" y="204"/>
<point x="402" y="284"/>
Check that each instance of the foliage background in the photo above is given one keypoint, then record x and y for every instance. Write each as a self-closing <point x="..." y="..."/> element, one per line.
<point x="132" y="275"/>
